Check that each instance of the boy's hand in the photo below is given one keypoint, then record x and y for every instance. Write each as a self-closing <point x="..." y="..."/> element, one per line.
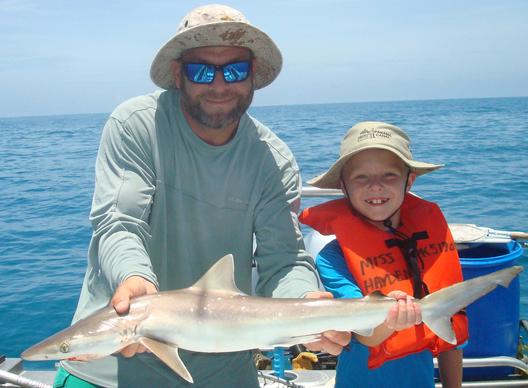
<point x="331" y="341"/>
<point x="404" y="314"/>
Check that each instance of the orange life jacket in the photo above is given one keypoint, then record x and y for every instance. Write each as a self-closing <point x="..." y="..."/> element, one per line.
<point x="377" y="267"/>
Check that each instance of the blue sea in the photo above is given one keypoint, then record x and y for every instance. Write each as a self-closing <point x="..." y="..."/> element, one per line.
<point x="47" y="176"/>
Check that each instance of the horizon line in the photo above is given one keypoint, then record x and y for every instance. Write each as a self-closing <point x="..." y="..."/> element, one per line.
<point x="277" y="105"/>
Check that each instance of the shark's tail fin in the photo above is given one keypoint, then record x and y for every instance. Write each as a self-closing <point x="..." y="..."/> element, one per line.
<point x="440" y="306"/>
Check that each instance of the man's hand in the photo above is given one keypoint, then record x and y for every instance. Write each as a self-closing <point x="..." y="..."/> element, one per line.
<point x="132" y="287"/>
<point x="404" y="314"/>
<point x="331" y="341"/>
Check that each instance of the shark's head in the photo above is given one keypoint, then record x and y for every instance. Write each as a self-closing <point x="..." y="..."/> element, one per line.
<point x="87" y="339"/>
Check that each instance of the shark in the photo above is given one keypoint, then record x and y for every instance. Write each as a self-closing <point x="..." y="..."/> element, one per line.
<point x="213" y="315"/>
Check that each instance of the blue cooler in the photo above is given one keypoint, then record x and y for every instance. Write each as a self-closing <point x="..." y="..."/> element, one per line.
<point x="494" y="318"/>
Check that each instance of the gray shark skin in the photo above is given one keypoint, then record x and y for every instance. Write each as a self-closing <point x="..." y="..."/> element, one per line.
<point x="214" y="316"/>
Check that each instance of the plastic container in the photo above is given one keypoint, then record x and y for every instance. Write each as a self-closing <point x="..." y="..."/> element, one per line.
<point x="494" y="318"/>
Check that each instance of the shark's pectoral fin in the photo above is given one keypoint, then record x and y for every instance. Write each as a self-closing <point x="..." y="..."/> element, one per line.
<point x="442" y="327"/>
<point x="169" y="355"/>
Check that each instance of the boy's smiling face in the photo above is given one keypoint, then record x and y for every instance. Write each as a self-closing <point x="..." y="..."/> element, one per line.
<point x="375" y="181"/>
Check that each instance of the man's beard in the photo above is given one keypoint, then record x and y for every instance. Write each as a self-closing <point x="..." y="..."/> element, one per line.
<point x="216" y="120"/>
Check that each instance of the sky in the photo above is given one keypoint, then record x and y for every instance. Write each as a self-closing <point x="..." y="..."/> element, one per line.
<point x="64" y="57"/>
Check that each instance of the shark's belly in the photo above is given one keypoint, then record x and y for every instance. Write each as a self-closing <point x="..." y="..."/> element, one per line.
<point x="213" y="336"/>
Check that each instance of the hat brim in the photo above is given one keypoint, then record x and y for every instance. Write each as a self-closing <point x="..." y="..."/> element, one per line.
<point x="267" y="56"/>
<point x="331" y="179"/>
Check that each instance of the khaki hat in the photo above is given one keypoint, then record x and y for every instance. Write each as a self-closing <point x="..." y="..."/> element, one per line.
<point x="368" y="135"/>
<point x="217" y="25"/>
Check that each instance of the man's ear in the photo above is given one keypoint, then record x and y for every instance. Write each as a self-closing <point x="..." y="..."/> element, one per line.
<point x="254" y="67"/>
<point x="176" y="73"/>
<point x="410" y="181"/>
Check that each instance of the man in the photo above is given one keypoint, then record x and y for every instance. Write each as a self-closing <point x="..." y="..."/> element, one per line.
<point x="183" y="177"/>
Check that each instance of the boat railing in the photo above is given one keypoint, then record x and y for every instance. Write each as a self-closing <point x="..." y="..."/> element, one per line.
<point x="311" y="192"/>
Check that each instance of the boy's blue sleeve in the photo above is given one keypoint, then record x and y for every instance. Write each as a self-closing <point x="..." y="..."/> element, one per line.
<point x="334" y="272"/>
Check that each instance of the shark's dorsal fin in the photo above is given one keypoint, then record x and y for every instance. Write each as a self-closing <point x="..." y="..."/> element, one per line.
<point x="221" y="276"/>
<point x="169" y="355"/>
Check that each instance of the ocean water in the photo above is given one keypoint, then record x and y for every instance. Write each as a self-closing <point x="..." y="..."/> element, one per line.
<point x="47" y="175"/>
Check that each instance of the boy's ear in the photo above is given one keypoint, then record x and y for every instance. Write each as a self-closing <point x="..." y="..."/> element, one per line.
<point x="410" y="181"/>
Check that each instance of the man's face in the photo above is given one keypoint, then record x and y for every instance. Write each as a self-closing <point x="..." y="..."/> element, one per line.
<point x="375" y="180"/>
<point x="218" y="105"/>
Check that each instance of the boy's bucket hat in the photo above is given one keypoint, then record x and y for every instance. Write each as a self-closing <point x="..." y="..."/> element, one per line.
<point x="368" y="135"/>
<point x="218" y="25"/>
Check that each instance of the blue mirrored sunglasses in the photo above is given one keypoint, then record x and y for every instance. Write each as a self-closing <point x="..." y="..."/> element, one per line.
<point x="204" y="73"/>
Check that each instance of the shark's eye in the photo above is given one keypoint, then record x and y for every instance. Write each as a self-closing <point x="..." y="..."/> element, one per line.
<point x="64" y="347"/>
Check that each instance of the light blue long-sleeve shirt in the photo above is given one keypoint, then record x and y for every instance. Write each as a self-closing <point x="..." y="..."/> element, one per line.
<point x="167" y="206"/>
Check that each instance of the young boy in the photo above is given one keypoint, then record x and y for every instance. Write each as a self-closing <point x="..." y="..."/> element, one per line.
<point x="387" y="240"/>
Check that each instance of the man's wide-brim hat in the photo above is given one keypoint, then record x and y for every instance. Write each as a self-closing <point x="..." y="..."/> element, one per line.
<point x="218" y="25"/>
<point x="371" y="135"/>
